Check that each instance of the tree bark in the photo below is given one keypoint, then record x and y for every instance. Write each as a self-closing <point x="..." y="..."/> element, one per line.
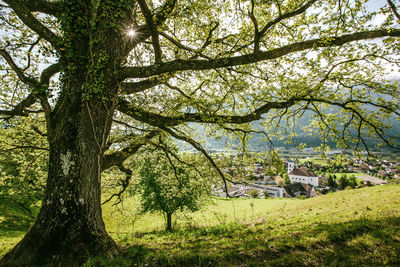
<point x="169" y="221"/>
<point x="69" y="228"/>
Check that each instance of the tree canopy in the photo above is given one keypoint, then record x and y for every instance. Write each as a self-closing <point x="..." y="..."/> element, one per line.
<point x="167" y="185"/>
<point x="117" y="74"/>
<point x="23" y="165"/>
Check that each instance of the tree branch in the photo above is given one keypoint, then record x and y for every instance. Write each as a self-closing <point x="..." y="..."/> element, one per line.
<point x="164" y="13"/>
<point x="207" y="42"/>
<point x="163" y="121"/>
<point x="25" y="79"/>
<point x="118" y="157"/>
<point x="21" y="108"/>
<point x="183" y="47"/>
<point x="124" y="183"/>
<point x="24" y="14"/>
<point x="260" y="34"/>
<point x="281" y="17"/>
<point x="45" y="77"/>
<point x="153" y="29"/>
<point x="166" y="150"/>
<point x="248" y="132"/>
<point x="32" y="46"/>
<point x="144" y="31"/>
<point x="43" y="6"/>
<point x="136" y="87"/>
<point x="394" y="9"/>
<point x="49" y="72"/>
<point x="344" y="105"/>
<point x="199" y="148"/>
<point x="183" y="65"/>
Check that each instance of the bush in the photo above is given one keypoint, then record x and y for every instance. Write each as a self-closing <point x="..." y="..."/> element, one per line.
<point x="280" y="181"/>
<point x="343" y="182"/>
<point x="287" y="179"/>
<point x="254" y="193"/>
<point x="352" y="181"/>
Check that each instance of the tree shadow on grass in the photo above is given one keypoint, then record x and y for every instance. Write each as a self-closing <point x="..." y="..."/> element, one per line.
<point x="13" y="226"/>
<point x="131" y="256"/>
<point x="14" y="223"/>
<point x="361" y="242"/>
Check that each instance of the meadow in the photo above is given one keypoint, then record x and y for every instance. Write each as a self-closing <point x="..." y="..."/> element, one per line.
<point x="348" y="228"/>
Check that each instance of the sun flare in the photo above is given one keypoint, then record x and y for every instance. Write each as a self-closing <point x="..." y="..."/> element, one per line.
<point x="131" y="32"/>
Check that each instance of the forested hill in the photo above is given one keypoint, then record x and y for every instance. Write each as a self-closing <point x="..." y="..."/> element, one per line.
<point x="258" y="142"/>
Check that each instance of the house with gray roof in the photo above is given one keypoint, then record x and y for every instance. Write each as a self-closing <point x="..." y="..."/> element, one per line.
<point x="304" y="176"/>
<point x="296" y="190"/>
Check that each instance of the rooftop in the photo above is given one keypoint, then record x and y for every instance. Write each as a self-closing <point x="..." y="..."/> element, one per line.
<point x="303" y="172"/>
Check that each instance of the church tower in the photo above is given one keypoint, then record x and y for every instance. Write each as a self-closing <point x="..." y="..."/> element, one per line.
<point x="290" y="166"/>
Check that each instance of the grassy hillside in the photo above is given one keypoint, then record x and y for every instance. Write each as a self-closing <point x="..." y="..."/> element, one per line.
<point x="353" y="227"/>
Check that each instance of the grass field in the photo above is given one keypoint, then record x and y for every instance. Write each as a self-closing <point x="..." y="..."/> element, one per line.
<point x="315" y="160"/>
<point x="349" y="228"/>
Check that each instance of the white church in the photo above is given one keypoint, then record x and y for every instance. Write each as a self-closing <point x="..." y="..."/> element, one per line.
<point x="301" y="175"/>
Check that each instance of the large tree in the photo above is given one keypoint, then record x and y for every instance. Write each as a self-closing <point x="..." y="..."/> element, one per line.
<point x="144" y="68"/>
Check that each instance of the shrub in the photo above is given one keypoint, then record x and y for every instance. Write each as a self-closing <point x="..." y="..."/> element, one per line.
<point x="254" y="193"/>
<point x="279" y="181"/>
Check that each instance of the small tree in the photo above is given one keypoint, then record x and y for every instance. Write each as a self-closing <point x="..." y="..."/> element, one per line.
<point x="287" y="179"/>
<point x="167" y="186"/>
<point x="352" y="181"/>
<point x="332" y="181"/>
<point x="343" y="182"/>
<point x="275" y="163"/>
<point x="254" y="193"/>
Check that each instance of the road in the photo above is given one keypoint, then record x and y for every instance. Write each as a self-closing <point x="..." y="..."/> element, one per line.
<point x="372" y="179"/>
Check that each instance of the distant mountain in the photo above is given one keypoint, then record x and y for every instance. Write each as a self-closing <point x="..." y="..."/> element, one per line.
<point x="258" y="143"/>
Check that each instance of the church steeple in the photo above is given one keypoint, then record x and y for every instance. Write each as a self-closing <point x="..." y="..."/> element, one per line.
<point x="291" y="165"/>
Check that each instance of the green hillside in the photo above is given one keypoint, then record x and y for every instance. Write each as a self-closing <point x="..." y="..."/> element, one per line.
<point x="258" y="142"/>
<point x="349" y="228"/>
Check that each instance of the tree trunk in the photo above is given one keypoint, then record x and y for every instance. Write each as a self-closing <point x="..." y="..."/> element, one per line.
<point x="169" y="221"/>
<point x="69" y="228"/>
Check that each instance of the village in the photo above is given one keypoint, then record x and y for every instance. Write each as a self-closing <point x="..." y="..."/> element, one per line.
<point x="306" y="179"/>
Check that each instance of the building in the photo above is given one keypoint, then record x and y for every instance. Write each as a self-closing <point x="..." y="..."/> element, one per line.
<point x="290" y="166"/>
<point x="274" y="191"/>
<point x="304" y="176"/>
<point x="241" y="190"/>
<point x="299" y="189"/>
